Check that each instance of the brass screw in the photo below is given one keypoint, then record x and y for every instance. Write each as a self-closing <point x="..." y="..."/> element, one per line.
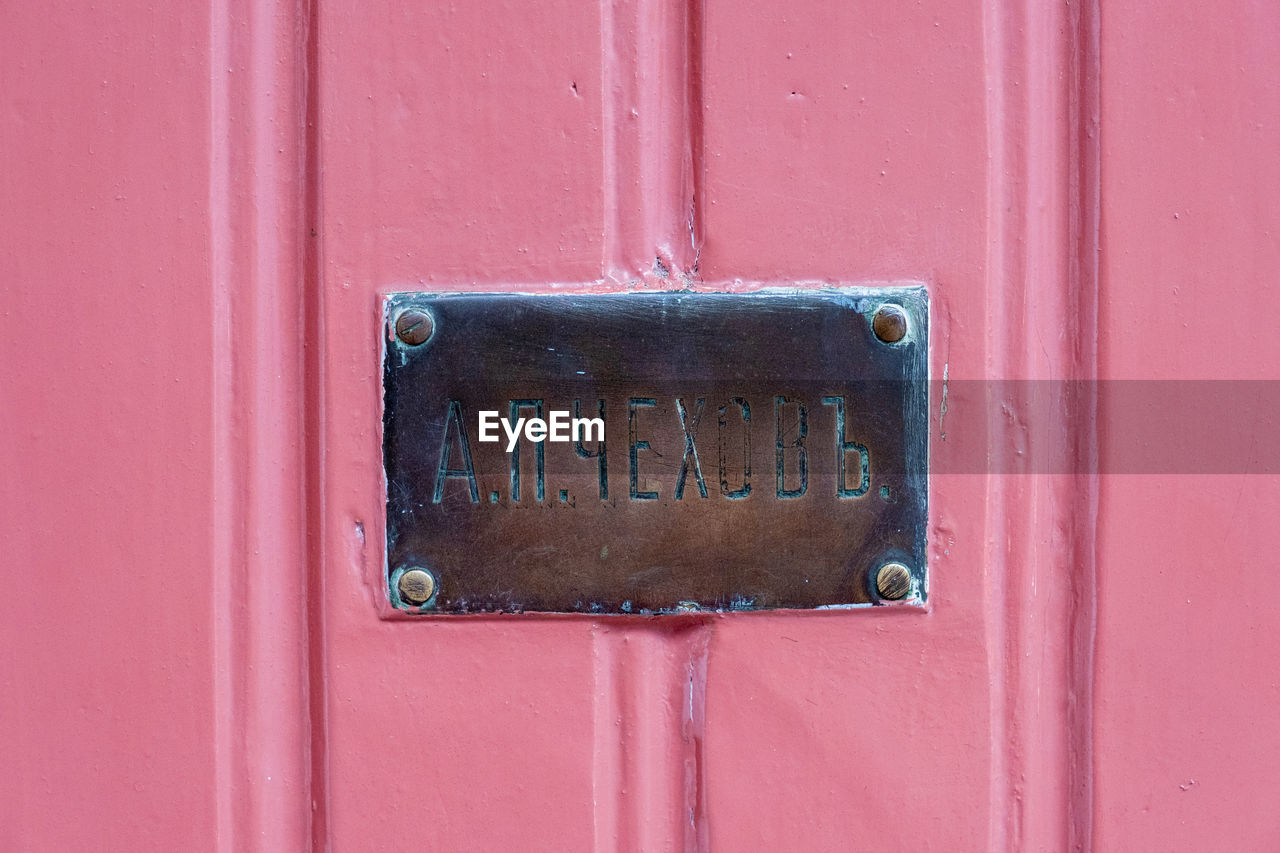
<point x="417" y="586"/>
<point x="893" y="581"/>
<point x="890" y="324"/>
<point x="414" y="326"/>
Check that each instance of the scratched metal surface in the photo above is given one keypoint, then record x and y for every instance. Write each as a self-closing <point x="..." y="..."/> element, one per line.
<point x="707" y="492"/>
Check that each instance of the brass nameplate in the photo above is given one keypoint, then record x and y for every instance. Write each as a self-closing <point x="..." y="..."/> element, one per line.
<point x="655" y="452"/>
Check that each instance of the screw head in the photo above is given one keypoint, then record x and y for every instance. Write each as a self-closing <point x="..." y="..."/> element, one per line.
<point x="893" y="581"/>
<point x="417" y="586"/>
<point x="890" y="324"/>
<point x="414" y="326"/>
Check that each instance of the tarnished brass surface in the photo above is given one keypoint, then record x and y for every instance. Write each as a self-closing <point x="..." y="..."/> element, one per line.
<point x="761" y="450"/>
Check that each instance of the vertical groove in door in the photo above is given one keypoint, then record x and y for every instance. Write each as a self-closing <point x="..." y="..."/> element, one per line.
<point x="313" y="407"/>
<point x="607" y="781"/>
<point x="256" y="207"/>
<point x="648" y="786"/>
<point x="650" y="120"/>
<point x="1042" y="70"/>
<point x="1085" y="284"/>
<point x="650" y="679"/>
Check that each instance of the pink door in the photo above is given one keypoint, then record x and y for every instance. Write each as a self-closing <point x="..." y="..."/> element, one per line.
<point x="205" y="206"/>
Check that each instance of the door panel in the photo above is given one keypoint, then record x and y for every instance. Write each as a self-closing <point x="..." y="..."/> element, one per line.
<point x="1186" y="686"/>
<point x="108" y="707"/>
<point x="819" y="151"/>
<point x="205" y="208"/>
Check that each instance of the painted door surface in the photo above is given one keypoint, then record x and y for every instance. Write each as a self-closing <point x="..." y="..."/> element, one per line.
<point x="204" y="205"/>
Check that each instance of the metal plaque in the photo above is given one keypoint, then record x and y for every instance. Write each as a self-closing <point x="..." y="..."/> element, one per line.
<point x="656" y="452"/>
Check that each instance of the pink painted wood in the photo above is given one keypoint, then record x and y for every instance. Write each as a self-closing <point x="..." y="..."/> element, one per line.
<point x="203" y="207"/>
